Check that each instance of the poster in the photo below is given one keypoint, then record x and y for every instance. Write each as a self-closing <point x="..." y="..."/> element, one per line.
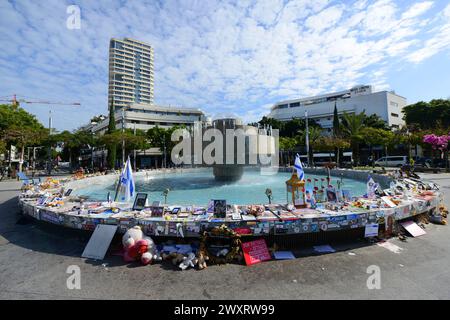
<point x="255" y="252"/>
<point x="371" y="230"/>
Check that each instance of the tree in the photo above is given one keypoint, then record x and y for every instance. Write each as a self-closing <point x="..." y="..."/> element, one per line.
<point x="287" y="145"/>
<point x="20" y="128"/>
<point x="374" y="121"/>
<point x="336" y="133"/>
<point x="327" y="143"/>
<point x="162" y="138"/>
<point x="336" y="123"/>
<point x="428" y="115"/>
<point x="112" y="148"/>
<point x="352" y="128"/>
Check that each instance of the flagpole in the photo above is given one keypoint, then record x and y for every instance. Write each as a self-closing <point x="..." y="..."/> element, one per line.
<point x="307" y="137"/>
<point x="118" y="184"/>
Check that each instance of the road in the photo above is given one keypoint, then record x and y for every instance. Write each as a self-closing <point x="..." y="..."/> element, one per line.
<point x="34" y="259"/>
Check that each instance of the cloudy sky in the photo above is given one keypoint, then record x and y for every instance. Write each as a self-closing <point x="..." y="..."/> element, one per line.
<point x="224" y="57"/>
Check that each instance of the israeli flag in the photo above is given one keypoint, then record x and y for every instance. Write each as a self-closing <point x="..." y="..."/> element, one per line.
<point x="298" y="165"/>
<point x="127" y="182"/>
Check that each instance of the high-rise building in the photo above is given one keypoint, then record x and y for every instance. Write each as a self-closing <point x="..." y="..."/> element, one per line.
<point x="130" y="72"/>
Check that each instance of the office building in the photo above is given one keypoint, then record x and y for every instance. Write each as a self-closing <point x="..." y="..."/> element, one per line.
<point x="387" y="105"/>
<point x="144" y="116"/>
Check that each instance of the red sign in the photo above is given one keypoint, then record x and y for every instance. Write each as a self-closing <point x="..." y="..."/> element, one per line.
<point x="255" y="252"/>
<point x="243" y="231"/>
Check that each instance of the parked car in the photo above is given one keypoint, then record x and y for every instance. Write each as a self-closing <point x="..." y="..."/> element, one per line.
<point x="421" y="162"/>
<point x="392" y="161"/>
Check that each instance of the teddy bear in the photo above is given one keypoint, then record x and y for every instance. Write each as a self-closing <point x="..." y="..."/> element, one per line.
<point x="190" y="260"/>
<point x="139" y="247"/>
<point x="202" y="258"/>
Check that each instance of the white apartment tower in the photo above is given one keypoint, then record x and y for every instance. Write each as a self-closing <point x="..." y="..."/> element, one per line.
<point x="130" y="73"/>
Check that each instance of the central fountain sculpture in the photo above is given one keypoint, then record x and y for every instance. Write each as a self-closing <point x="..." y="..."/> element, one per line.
<point x="233" y="171"/>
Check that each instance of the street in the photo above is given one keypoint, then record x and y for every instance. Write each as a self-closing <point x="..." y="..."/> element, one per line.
<point x="34" y="259"/>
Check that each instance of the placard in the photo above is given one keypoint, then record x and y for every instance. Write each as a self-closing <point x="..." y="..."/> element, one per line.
<point x="255" y="252"/>
<point x="413" y="229"/>
<point x="371" y="230"/>
<point x="331" y="195"/>
<point x="99" y="242"/>
<point x="389" y="202"/>
<point x="220" y="208"/>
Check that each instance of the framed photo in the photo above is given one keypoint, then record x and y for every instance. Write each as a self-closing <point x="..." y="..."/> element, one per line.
<point x="331" y="195"/>
<point x="157" y="211"/>
<point x="220" y="208"/>
<point x="139" y="201"/>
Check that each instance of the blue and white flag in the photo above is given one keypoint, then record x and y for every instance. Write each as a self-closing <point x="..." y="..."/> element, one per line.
<point x="127" y="181"/>
<point x="298" y="165"/>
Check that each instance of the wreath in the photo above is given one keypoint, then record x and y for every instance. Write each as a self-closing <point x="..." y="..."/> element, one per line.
<point x="214" y="241"/>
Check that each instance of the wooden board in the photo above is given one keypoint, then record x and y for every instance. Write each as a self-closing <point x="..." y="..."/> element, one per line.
<point x="99" y="242"/>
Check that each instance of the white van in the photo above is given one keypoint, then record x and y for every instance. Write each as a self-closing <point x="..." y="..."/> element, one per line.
<point x="392" y="161"/>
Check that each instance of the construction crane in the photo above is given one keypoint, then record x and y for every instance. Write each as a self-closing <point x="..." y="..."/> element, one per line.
<point x="15" y="102"/>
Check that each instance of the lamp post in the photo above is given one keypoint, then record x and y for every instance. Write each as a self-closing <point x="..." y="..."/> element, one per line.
<point x="123" y="137"/>
<point x="49" y="165"/>
<point x="307" y="138"/>
<point x="134" y="151"/>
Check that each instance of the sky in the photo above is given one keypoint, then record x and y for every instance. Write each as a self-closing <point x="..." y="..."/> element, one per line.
<point x="224" y="57"/>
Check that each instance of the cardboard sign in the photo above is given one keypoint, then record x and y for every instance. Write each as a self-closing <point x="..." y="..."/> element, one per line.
<point x="255" y="252"/>
<point x="413" y="229"/>
<point x="371" y="230"/>
<point x="99" y="242"/>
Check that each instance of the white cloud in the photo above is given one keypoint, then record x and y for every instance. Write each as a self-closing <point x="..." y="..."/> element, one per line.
<point x="214" y="55"/>
<point x="325" y="19"/>
<point x="417" y="9"/>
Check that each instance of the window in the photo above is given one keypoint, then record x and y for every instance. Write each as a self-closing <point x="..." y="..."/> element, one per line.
<point x="395" y="115"/>
<point x="294" y="105"/>
<point x="282" y="106"/>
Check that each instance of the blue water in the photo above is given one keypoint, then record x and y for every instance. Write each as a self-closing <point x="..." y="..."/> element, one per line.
<point x="197" y="188"/>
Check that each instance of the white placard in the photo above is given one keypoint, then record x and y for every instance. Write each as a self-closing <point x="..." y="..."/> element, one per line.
<point x="99" y="242"/>
<point x="371" y="230"/>
<point x="388" y="202"/>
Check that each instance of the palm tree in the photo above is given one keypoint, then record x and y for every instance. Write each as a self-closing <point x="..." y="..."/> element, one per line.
<point x="352" y="128"/>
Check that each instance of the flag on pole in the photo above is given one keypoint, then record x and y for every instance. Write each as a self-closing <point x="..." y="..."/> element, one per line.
<point x="127" y="182"/>
<point x="298" y="165"/>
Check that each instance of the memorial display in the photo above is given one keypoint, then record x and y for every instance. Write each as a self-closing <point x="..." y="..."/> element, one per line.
<point x="223" y="229"/>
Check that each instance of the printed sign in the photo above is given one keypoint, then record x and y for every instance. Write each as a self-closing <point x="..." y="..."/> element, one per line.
<point x="371" y="230"/>
<point x="255" y="252"/>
